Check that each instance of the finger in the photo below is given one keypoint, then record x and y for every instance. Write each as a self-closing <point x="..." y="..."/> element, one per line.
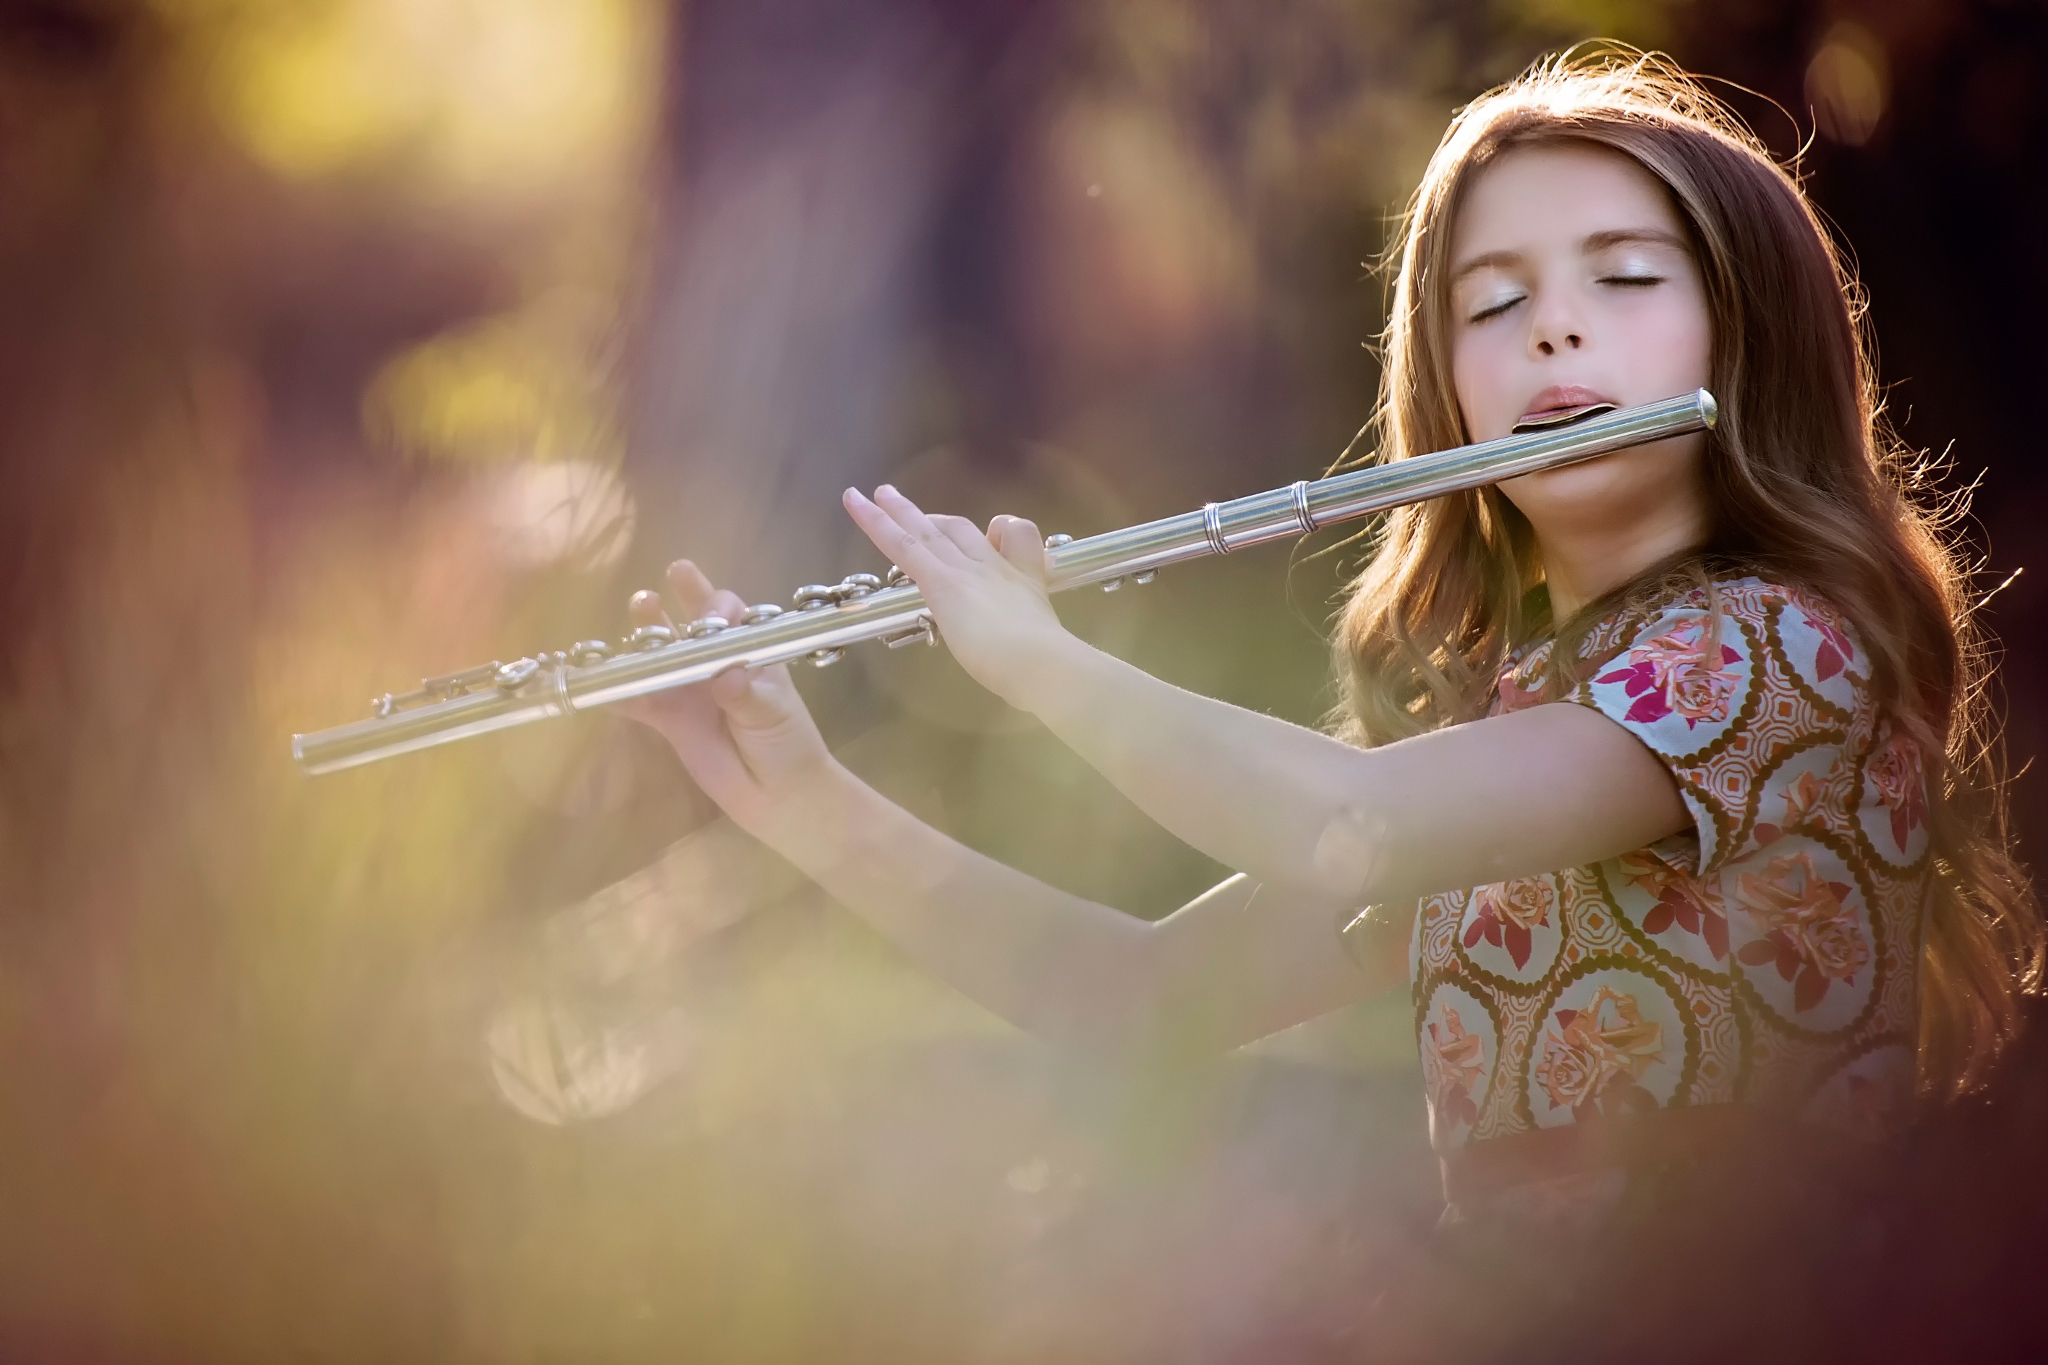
<point x="910" y="554"/>
<point x="727" y="604"/>
<point x="710" y="756"/>
<point x="912" y="518"/>
<point x="645" y="609"/>
<point x="966" y="535"/>
<point x="757" y="700"/>
<point x="693" y="591"/>
<point x="1018" y="541"/>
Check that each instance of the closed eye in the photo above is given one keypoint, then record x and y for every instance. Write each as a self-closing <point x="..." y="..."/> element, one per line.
<point x="1494" y="310"/>
<point x="1632" y="281"/>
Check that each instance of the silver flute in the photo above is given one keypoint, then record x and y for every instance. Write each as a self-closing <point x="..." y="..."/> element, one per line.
<point x="826" y="619"/>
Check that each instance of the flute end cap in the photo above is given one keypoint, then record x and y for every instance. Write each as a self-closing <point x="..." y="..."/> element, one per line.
<point x="1710" y="410"/>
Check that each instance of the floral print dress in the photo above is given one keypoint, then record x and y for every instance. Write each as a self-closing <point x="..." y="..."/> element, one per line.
<point x="1767" y="956"/>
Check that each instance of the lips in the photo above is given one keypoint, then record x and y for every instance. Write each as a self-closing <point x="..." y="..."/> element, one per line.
<point x="1560" y="399"/>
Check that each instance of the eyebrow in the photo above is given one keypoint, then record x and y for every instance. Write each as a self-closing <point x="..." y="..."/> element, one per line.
<point x="1600" y="241"/>
<point x="1596" y="241"/>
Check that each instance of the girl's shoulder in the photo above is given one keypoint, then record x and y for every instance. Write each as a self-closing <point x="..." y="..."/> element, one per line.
<point x="1758" y="698"/>
<point x="1729" y="624"/>
<point x="1774" y="613"/>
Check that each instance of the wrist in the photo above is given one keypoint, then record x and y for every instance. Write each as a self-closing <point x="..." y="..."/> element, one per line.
<point x="816" y="815"/>
<point x="1055" y="671"/>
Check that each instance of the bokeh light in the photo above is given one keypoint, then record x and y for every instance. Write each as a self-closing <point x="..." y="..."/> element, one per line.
<point x="1846" y="83"/>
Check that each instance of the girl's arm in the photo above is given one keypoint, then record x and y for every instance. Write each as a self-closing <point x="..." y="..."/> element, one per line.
<point x="1548" y="787"/>
<point x="1529" y="792"/>
<point x="1234" y="965"/>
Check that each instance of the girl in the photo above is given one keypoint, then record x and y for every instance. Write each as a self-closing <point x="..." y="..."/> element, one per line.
<point x="1665" y="770"/>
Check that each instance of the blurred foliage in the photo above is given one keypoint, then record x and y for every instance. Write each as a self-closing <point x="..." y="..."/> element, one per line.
<point x="536" y="384"/>
<point x="461" y="99"/>
<point x="520" y="124"/>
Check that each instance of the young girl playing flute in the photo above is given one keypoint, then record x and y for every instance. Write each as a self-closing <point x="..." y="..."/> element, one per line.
<point x="1660" y="780"/>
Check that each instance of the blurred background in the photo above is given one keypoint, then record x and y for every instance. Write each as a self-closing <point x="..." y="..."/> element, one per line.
<point x="344" y="342"/>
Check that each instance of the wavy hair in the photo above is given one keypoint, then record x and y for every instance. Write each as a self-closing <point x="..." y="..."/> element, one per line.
<point x="1807" y="486"/>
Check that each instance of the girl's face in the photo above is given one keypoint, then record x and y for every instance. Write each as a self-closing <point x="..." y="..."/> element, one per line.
<point x="1573" y="282"/>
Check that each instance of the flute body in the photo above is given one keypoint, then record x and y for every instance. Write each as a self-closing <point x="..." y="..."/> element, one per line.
<point x="496" y="696"/>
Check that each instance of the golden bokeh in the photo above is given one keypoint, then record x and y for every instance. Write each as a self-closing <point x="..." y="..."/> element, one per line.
<point x="1846" y="82"/>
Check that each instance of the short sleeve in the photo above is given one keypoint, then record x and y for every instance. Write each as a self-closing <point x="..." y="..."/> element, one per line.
<point x="1751" y="698"/>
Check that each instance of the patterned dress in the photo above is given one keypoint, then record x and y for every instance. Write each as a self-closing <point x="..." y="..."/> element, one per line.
<point x="1767" y="956"/>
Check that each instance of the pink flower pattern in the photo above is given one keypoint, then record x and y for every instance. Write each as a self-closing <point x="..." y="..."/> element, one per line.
<point x="1803" y="798"/>
<point x="1834" y="653"/>
<point x="1901" y="787"/>
<point x="1594" y="1058"/>
<point x="1508" y="911"/>
<point x="1452" y="1061"/>
<point x="1788" y="768"/>
<point x="1672" y="673"/>
<point x="1809" y="933"/>
<point x="1681" y="900"/>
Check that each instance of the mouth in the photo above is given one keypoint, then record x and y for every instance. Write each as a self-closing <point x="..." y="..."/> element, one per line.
<point x="1561" y="405"/>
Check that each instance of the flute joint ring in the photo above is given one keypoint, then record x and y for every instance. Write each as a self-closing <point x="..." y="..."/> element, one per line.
<point x="1303" y="518"/>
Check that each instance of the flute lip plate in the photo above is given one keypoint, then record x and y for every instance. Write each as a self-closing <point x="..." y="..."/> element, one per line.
<point x="1566" y="418"/>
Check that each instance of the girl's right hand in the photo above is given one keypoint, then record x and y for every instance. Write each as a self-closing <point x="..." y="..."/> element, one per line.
<point x="746" y="735"/>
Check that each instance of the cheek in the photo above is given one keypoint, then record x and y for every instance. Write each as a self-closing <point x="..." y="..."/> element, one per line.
<point x="1673" y="347"/>
<point x="1485" y="380"/>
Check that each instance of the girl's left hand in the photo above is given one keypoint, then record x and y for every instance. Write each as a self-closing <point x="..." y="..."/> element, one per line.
<point x="987" y="592"/>
<point x="745" y="735"/>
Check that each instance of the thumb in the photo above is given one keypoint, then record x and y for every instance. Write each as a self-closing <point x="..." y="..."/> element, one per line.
<point x="757" y="701"/>
<point x="770" y="727"/>
<point x="1018" y="541"/>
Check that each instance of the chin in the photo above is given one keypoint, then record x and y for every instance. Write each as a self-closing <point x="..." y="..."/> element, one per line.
<point x="1601" y="493"/>
<point x="1578" y="485"/>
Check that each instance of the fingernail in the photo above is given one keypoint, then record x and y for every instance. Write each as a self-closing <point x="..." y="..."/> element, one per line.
<point x="886" y="488"/>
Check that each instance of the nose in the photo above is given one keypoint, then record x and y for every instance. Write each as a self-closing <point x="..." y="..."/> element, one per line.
<point x="1554" y="325"/>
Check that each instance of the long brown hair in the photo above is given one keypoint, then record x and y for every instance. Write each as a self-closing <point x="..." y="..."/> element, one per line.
<point x="1807" y="486"/>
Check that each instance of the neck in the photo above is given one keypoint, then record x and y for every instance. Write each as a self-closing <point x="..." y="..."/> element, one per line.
<point x="1583" y="562"/>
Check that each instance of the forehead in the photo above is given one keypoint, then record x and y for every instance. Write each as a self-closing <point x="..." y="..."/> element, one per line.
<point x="1558" y="194"/>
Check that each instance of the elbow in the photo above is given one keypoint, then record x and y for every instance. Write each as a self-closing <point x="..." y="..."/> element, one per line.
<point x="1134" y="1019"/>
<point x="1349" y="857"/>
<point x="1099" y="1027"/>
<point x="1124" y="1047"/>
<point x="1119" y="1011"/>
